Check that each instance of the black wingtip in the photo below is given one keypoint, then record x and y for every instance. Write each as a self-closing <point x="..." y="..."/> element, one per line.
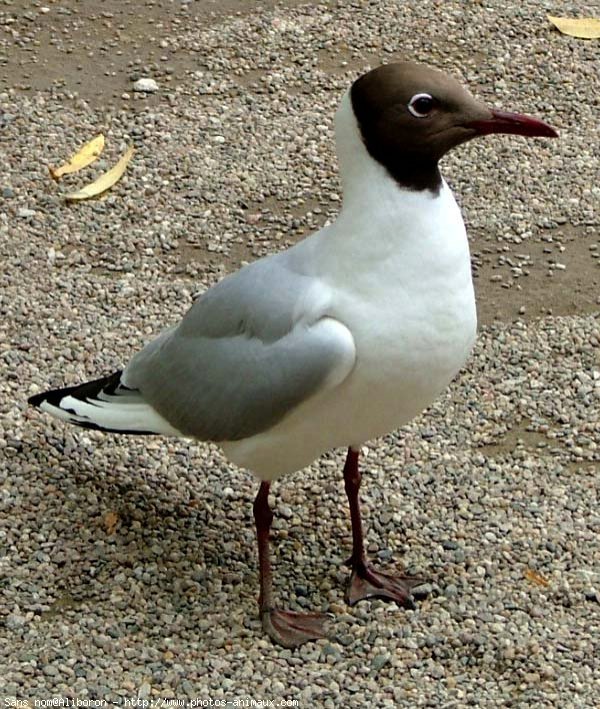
<point x="37" y="399"/>
<point x="54" y="396"/>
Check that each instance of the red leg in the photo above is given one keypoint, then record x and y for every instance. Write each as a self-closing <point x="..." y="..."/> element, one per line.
<point x="365" y="581"/>
<point x="287" y="628"/>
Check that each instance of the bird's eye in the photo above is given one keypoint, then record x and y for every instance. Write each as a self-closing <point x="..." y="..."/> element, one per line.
<point x="420" y="105"/>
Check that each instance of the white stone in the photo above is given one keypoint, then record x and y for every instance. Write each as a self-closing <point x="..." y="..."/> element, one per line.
<point x="145" y="85"/>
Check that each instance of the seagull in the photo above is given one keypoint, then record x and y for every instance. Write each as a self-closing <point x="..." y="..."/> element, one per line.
<point x="340" y="339"/>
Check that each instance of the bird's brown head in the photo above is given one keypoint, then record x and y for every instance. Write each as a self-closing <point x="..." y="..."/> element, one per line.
<point x="410" y="115"/>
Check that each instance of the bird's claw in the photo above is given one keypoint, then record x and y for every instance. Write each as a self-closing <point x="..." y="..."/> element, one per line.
<point x="365" y="582"/>
<point x="290" y="628"/>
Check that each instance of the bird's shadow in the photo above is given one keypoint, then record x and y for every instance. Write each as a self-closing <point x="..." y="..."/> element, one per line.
<point x="138" y="538"/>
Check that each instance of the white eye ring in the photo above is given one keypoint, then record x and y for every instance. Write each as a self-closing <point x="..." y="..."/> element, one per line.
<point x="412" y="108"/>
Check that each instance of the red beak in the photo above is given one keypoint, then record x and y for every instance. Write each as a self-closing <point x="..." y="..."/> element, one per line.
<point x="504" y="122"/>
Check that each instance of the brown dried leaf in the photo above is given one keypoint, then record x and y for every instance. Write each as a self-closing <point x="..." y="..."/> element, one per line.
<point x="111" y="521"/>
<point x="536" y="578"/>
<point x="581" y="27"/>
<point x="83" y="157"/>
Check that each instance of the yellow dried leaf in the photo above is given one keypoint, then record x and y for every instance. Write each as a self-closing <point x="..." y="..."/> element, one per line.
<point x="82" y="158"/>
<point x="105" y="181"/>
<point x="536" y="578"/>
<point x="582" y="27"/>
<point x="111" y="520"/>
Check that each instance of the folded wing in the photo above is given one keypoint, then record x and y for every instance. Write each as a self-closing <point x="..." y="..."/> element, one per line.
<point x="248" y="352"/>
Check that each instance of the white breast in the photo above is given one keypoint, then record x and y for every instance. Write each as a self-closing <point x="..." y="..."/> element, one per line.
<point x="407" y="298"/>
<point x="413" y="317"/>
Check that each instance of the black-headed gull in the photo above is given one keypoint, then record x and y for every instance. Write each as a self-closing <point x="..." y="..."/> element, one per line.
<point x="340" y="339"/>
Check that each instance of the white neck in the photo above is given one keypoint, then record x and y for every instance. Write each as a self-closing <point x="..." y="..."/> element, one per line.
<point x="370" y="193"/>
<point x="358" y="171"/>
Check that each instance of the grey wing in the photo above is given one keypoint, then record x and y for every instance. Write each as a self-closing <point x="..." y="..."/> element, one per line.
<point x="247" y="353"/>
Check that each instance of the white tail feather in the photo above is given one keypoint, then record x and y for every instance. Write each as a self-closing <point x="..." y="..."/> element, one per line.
<point x="119" y="414"/>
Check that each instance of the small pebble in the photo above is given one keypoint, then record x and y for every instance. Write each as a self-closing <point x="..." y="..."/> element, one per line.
<point x="145" y="85"/>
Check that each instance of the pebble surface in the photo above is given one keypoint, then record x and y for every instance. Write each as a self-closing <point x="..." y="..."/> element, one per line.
<point x="128" y="564"/>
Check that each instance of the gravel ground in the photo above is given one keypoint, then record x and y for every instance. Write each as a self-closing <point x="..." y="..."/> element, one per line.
<point x="128" y="564"/>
